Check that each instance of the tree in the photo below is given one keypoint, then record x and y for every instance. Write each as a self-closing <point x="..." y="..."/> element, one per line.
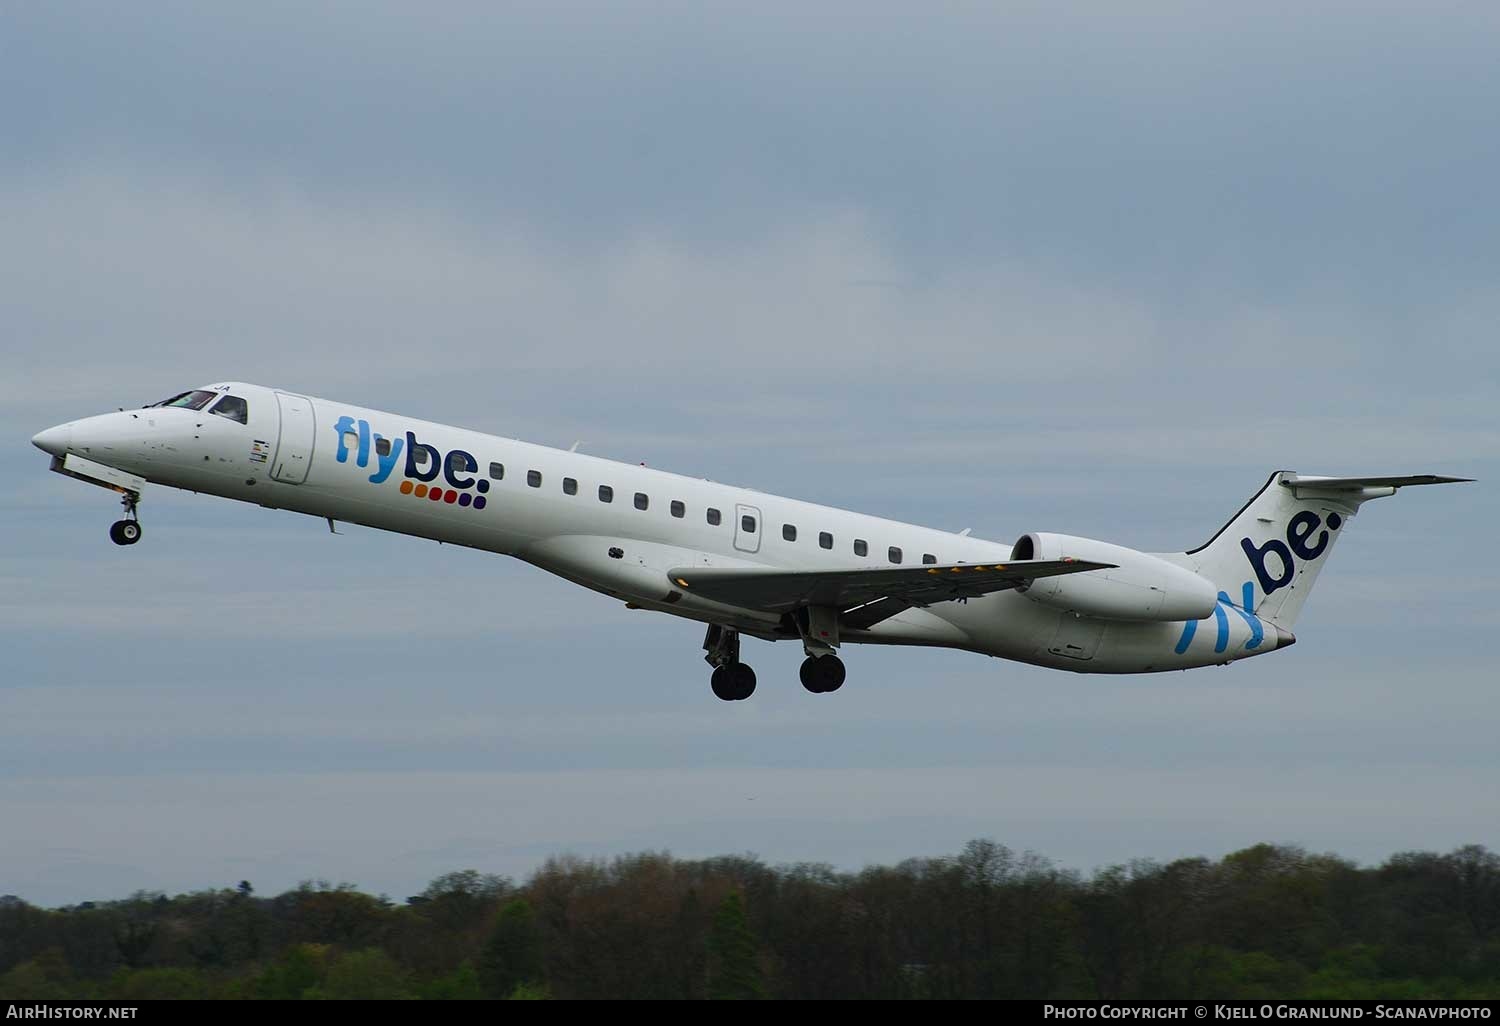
<point x="299" y="969"/>
<point x="512" y="955"/>
<point x="733" y="961"/>
<point x="370" y="974"/>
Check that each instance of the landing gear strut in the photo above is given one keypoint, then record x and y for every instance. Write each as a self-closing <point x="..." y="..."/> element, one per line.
<point x="822" y="671"/>
<point x="127" y="531"/>
<point x="732" y="680"/>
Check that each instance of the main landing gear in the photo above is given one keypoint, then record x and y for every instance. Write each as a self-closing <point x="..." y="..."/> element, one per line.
<point x="127" y="531"/>
<point x="733" y="681"/>
<point x="821" y="674"/>
<point x="822" y="670"/>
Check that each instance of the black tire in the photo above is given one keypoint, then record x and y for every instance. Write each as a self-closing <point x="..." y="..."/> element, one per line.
<point x="723" y="683"/>
<point x="744" y="681"/>
<point x="822" y="674"/>
<point x="833" y="673"/>
<point x="117" y="532"/>
<point x="809" y="675"/>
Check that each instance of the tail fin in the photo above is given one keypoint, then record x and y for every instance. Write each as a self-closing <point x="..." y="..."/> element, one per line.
<point x="1269" y="554"/>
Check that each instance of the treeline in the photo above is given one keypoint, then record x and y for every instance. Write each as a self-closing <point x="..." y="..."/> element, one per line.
<point x="1266" y="922"/>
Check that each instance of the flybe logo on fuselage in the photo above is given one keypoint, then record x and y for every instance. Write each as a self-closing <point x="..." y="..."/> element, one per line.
<point x="421" y="468"/>
<point x="1299" y="532"/>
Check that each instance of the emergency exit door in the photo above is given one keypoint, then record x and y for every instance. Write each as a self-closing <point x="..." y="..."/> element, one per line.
<point x="746" y="528"/>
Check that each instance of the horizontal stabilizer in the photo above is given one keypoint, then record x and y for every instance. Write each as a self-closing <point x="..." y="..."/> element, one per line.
<point x="1340" y="484"/>
<point x="781" y="591"/>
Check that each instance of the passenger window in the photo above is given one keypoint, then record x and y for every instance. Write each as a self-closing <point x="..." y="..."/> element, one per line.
<point x="860" y="547"/>
<point x="825" y="540"/>
<point x="422" y="456"/>
<point x="789" y="532"/>
<point x="641" y="502"/>
<point x="606" y="493"/>
<point x="497" y="471"/>
<point x="231" y="407"/>
<point x="928" y="558"/>
<point x="714" y="520"/>
<point x="457" y="464"/>
<point x="678" y="509"/>
<point x="894" y="554"/>
<point x="570" y="486"/>
<point x="351" y="441"/>
<point x="534" y="478"/>
<point x="747" y="524"/>
<point x="383" y="446"/>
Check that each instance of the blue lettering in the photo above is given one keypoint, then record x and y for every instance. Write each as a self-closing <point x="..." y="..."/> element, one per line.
<point x="387" y="463"/>
<point x="1257" y="557"/>
<point x="344" y="425"/>
<point x="364" y="443"/>
<point x="434" y="460"/>
<point x="1256" y="631"/>
<point x="1188" y="630"/>
<point x="1300" y="529"/>
<point x="464" y="462"/>
<point x="1221" y="618"/>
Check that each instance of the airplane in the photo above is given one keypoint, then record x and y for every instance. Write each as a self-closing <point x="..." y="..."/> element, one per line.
<point x="737" y="560"/>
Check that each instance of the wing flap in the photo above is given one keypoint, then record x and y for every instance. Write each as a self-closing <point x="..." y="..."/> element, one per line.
<point x="781" y="591"/>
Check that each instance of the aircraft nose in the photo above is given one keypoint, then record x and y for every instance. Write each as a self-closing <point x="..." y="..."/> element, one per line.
<point x="55" y="440"/>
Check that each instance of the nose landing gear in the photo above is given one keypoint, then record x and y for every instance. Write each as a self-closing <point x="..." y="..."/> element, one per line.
<point x="127" y="531"/>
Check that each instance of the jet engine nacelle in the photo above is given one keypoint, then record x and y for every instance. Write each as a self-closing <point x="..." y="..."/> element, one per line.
<point x="1140" y="587"/>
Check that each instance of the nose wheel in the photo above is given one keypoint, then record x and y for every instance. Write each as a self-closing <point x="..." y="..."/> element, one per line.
<point x="127" y="531"/>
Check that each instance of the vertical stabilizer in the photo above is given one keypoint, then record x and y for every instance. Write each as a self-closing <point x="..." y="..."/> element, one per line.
<point x="1268" y="556"/>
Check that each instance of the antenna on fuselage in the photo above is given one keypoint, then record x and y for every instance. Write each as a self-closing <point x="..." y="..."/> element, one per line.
<point x="575" y="445"/>
<point x="965" y="532"/>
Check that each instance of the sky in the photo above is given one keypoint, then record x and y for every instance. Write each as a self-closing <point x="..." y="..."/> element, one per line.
<point x="1094" y="269"/>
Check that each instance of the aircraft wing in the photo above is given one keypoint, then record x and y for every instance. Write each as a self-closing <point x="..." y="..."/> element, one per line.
<point x="893" y="588"/>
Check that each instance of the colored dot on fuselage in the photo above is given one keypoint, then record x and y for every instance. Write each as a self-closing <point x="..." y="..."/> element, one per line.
<point x="1334" y="520"/>
<point x="436" y="495"/>
<point x="450" y="496"/>
<point x="484" y="486"/>
<point x="465" y="499"/>
<point x="405" y="487"/>
<point x="479" y="502"/>
<point x="421" y="491"/>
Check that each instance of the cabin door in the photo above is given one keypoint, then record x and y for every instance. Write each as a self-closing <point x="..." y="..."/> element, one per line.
<point x="294" y="450"/>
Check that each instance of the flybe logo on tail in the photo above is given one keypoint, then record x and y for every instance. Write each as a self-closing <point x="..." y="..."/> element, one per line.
<point x="1304" y="540"/>
<point x="420" y="472"/>
<point x="1299" y="543"/>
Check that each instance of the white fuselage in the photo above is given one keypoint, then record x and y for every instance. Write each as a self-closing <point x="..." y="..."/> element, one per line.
<point x="355" y="465"/>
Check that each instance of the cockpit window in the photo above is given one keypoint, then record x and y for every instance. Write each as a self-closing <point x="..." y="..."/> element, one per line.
<point x="231" y="407"/>
<point x="194" y="400"/>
